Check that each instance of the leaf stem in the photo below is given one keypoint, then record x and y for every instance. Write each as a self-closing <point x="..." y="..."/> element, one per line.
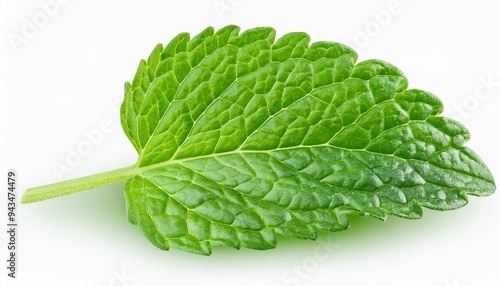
<point x="63" y="188"/>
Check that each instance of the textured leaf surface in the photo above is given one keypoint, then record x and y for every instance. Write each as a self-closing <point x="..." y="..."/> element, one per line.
<point x="242" y="137"/>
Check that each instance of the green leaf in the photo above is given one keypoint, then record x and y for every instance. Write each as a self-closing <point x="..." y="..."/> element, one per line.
<point x="242" y="137"/>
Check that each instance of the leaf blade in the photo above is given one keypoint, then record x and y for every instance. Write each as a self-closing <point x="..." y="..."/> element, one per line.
<point x="241" y="138"/>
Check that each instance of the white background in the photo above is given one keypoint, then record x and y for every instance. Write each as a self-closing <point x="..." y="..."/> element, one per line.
<point x="62" y="73"/>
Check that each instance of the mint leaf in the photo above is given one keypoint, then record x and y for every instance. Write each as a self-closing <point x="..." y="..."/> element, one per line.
<point x="242" y="137"/>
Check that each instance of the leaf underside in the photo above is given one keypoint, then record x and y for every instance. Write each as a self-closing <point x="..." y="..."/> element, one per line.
<point x="242" y="137"/>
